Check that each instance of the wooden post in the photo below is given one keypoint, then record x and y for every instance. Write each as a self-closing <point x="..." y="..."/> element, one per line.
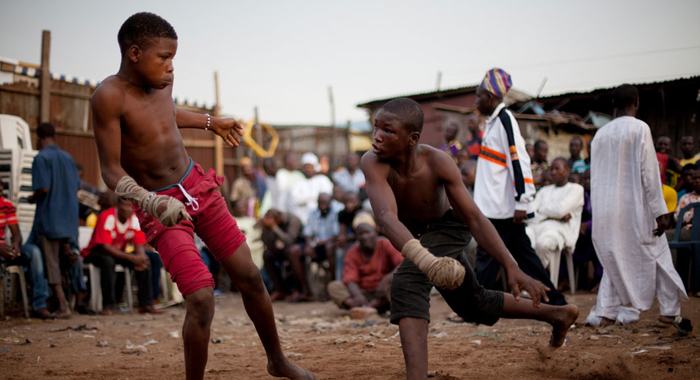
<point x="218" y="142"/>
<point x="333" y="147"/>
<point x="347" y="136"/>
<point x="258" y="137"/>
<point x="439" y="80"/>
<point x="45" y="78"/>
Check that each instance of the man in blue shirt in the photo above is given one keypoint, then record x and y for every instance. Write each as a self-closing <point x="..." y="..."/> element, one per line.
<point x="55" y="182"/>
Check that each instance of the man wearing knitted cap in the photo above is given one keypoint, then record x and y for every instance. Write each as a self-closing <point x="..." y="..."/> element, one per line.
<point x="504" y="187"/>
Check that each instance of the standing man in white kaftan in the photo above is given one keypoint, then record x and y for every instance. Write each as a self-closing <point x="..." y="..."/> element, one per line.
<point x="557" y="220"/>
<point x="630" y="217"/>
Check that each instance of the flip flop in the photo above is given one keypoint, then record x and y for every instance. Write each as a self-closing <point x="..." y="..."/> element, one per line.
<point x="683" y="325"/>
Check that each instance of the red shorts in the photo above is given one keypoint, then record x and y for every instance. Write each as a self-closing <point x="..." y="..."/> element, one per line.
<point x="211" y="222"/>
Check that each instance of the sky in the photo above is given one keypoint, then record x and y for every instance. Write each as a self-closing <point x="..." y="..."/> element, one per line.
<point x="282" y="56"/>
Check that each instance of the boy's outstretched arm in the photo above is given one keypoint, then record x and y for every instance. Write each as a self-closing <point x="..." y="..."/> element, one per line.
<point x="228" y="128"/>
<point x="484" y="232"/>
<point x="107" y="103"/>
<point x="383" y="201"/>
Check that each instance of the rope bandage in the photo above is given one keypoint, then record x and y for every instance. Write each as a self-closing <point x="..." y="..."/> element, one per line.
<point x="443" y="272"/>
<point x="149" y="202"/>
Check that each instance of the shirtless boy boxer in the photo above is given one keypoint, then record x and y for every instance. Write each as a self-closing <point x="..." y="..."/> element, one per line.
<point x="416" y="192"/>
<point x="142" y="157"/>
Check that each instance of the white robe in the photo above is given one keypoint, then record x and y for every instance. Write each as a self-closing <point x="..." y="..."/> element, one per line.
<point x="626" y="198"/>
<point x="549" y="236"/>
<point x="302" y="197"/>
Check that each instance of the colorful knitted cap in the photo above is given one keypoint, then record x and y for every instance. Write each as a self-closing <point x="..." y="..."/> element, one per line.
<point x="497" y="82"/>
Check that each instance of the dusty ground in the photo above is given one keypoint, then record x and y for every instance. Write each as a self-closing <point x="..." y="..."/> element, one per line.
<point x="323" y="339"/>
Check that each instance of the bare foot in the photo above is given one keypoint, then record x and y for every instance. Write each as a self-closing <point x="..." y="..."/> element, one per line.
<point x="565" y="317"/>
<point x="277" y="296"/>
<point x="287" y="369"/>
<point x="362" y="312"/>
<point x="605" y="322"/>
<point x="63" y="314"/>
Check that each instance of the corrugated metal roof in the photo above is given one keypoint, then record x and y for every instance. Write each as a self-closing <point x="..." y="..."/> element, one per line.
<point x="605" y="89"/>
<point x="424" y="95"/>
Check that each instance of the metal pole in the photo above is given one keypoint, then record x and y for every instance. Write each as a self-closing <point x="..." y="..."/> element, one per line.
<point x="45" y="78"/>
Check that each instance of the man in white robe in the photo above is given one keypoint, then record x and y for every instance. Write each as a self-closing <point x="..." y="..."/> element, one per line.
<point x="557" y="220"/>
<point x="630" y="217"/>
<point x="302" y="197"/>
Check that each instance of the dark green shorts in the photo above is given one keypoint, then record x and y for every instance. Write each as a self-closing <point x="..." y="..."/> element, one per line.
<point x="410" y="289"/>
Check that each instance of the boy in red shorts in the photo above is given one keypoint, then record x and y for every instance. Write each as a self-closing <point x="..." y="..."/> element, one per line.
<point x="143" y="159"/>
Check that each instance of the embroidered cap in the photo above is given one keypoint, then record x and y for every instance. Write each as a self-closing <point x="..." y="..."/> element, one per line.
<point x="497" y="82"/>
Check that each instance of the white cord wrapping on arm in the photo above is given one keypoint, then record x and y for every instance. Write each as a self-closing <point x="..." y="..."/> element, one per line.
<point x="443" y="272"/>
<point x="149" y="202"/>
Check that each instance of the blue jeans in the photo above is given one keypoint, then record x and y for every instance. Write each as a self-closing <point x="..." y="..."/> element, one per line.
<point x="156" y="264"/>
<point x="40" y="287"/>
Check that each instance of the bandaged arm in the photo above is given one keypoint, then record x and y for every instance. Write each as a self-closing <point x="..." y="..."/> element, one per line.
<point x="149" y="202"/>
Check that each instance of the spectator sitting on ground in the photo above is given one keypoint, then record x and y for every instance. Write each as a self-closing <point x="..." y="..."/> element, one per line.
<point x="118" y="239"/>
<point x="539" y="162"/>
<point x="346" y="235"/>
<point x="280" y="231"/>
<point x="249" y="187"/>
<point x="368" y="271"/>
<point x="685" y="183"/>
<point x="303" y="196"/>
<point x="688" y="151"/>
<point x="350" y="178"/>
<point x="319" y="235"/>
<point x="557" y="221"/>
<point x="468" y="171"/>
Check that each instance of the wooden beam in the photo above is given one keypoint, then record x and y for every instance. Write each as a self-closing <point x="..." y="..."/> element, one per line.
<point x="45" y="79"/>
<point x="191" y="143"/>
<point x="218" y="142"/>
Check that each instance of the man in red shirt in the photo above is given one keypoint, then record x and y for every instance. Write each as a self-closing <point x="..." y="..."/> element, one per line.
<point x="117" y="231"/>
<point x="369" y="268"/>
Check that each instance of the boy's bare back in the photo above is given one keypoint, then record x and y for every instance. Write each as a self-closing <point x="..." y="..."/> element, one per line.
<point x="139" y="128"/>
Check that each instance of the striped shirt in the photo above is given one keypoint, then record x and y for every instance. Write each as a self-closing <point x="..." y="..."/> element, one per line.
<point x="503" y="175"/>
<point x="8" y="217"/>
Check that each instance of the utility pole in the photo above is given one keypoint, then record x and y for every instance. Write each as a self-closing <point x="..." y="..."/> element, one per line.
<point x="333" y="148"/>
<point x="45" y="78"/>
<point x="439" y="80"/>
<point x="218" y="142"/>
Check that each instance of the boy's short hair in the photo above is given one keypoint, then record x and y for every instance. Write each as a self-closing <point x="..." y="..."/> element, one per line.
<point x="409" y="112"/>
<point x="140" y="28"/>
<point x="45" y="130"/>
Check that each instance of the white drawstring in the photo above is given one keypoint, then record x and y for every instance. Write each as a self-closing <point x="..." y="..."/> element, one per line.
<point x="191" y="201"/>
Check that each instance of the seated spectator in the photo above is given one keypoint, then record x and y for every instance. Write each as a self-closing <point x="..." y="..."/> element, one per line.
<point x="369" y="269"/>
<point x="685" y="182"/>
<point x="303" y="195"/>
<point x="451" y="146"/>
<point x="557" y="220"/>
<point x="468" y="170"/>
<point x="547" y="177"/>
<point x="118" y="239"/>
<point x="530" y="151"/>
<point x="539" y="162"/>
<point x="682" y="261"/>
<point x="337" y="203"/>
<point x="346" y="235"/>
<point x="350" y="178"/>
<point x="280" y="231"/>
<point x="319" y="234"/>
<point x="248" y="188"/>
<point x="462" y="157"/>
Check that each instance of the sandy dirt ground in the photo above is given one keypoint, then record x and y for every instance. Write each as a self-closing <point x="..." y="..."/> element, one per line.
<point x="325" y="340"/>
